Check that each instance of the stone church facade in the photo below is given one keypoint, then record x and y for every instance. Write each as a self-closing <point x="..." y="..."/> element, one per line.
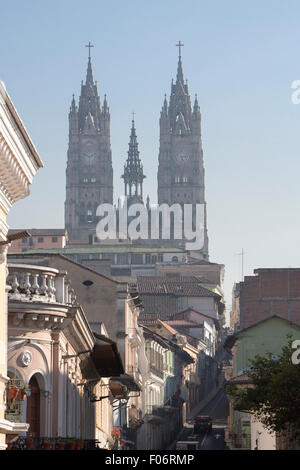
<point x="89" y="168"/>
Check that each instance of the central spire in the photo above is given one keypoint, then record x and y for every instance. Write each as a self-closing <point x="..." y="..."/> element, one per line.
<point x="133" y="170"/>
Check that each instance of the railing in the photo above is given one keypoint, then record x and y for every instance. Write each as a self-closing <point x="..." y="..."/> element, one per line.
<point x="31" y="283"/>
<point x="154" y="369"/>
<point x="52" y="443"/>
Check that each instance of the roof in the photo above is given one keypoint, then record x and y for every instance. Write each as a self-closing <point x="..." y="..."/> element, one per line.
<point x="183" y="286"/>
<point x="41" y="231"/>
<point x="239" y="380"/>
<point x="184" y="323"/>
<point x="65" y="258"/>
<point x="191" y="309"/>
<point x="190" y="339"/>
<point x="168" y="343"/>
<point x="231" y="339"/>
<point x="89" y="249"/>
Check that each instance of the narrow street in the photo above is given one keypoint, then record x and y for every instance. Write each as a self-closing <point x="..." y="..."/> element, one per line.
<point x="217" y="409"/>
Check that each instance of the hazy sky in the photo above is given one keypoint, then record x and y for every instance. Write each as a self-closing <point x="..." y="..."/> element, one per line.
<point x="239" y="57"/>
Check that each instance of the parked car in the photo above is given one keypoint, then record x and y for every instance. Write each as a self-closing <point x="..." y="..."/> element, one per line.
<point x="202" y="424"/>
<point x="187" y="445"/>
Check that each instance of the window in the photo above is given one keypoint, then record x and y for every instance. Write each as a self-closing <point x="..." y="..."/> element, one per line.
<point x="54" y="239"/>
<point x="40" y="239"/>
<point x="87" y="283"/>
<point x="85" y="180"/>
<point x="24" y="240"/>
<point x="93" y="180"/>
<point x="148" y="259"/>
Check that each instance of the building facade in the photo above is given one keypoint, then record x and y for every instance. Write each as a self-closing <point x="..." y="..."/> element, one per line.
<point x="19" y="162"/>
<point x="41" y="239"/>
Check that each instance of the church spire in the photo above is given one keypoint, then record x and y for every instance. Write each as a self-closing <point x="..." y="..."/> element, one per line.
<point x="180" y="110"/>
<point x="89" y="101"/>
<point x="179" y="67"/>
<point x="89" y="74"/>
<point x="133" y="169"/>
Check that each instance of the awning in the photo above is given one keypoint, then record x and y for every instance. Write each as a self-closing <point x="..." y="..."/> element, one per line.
<point x="128" y="381"/>
<point x="106" y="357"/>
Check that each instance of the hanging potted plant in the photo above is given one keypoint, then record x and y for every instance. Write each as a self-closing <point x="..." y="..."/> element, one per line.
<point x="13" y="392"/>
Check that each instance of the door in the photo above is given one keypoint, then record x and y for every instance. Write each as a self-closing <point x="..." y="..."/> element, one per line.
<point x="33" y="408"/>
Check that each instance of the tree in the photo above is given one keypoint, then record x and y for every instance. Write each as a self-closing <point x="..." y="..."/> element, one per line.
<point x="273" y="396"/>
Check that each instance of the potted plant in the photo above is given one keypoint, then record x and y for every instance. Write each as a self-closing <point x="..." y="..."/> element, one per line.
<point x="46" y="444"/>
<point x="61" y="443"/>
<point x="71" y="443"/>
<point x="78" y="444"/>
<point x="25" y="392"/>
<point x="29" y="443"/>
<point x="13" y="392"/>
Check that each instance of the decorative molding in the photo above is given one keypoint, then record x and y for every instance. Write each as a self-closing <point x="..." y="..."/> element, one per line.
<point x="26" y="358"/>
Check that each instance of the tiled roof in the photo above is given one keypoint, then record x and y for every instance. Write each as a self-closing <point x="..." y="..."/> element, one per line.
<point x="185" y="323"/>
<point x="183" y="286"/>
<point x="41" y="231"/>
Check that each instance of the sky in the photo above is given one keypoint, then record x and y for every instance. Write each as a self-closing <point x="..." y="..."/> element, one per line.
<point x="239" y="57"/>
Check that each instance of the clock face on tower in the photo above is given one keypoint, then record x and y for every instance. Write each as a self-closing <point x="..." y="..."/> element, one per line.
<point x="181" y="157"/>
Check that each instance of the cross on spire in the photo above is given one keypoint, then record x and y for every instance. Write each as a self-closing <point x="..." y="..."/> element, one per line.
<point x="179" y="45"/>
<point x="89" y="45"/>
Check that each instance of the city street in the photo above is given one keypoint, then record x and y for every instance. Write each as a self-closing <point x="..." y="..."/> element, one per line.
<point x="217" y="409"/>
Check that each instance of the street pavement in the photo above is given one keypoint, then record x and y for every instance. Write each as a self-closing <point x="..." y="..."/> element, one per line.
<point x="217" y="409"/>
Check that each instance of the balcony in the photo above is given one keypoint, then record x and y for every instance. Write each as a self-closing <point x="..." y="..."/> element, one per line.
<point x="15" y="394"/>
<point x="41" y="284"/>
<point x="52" y="443"/>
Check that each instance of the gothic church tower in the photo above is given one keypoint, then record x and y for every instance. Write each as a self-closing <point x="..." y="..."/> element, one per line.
<point x="181" y="168"/>
<point x="89" y="174"/>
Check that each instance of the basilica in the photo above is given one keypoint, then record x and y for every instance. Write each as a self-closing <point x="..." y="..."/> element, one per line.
<point x="89" y="173"/>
